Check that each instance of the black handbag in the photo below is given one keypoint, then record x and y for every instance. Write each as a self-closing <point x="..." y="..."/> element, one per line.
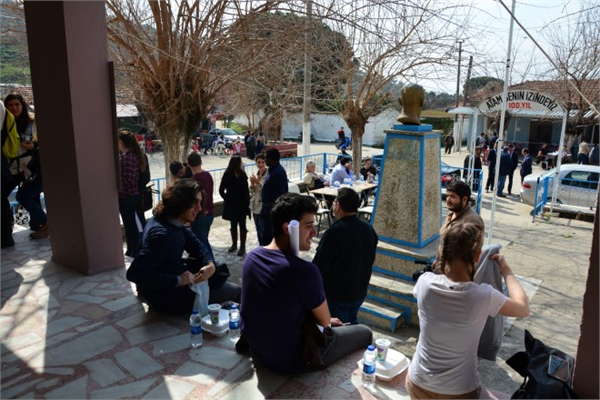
<point x="147" y="198"/>
<point x="548" y="372"/>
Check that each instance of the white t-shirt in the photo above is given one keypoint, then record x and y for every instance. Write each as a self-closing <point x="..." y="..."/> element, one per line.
<point x="452" y="316"/>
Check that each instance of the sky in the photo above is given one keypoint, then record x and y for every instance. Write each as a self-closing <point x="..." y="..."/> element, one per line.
<point x="537" y="16"/>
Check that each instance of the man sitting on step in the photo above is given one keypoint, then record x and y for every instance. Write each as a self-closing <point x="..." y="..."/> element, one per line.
<point x="283" y="300"/>
<point x="345" y="257"/>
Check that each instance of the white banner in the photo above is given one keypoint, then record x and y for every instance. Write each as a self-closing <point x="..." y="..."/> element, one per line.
<point x="521" y="100"/>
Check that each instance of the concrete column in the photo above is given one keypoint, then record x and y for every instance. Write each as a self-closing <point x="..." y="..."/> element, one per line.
<point x="586" y="363"/>
<point x="69" y="67"/>
<point x="408" y="206"/>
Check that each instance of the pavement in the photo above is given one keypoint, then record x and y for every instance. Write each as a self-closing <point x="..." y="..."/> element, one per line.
<point x="65" y="335"/>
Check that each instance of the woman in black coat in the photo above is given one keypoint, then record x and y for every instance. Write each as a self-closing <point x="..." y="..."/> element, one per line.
<point x="236" y="196"/>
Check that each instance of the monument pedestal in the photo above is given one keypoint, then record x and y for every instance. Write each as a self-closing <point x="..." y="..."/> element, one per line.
<point x="408" y="206"/>
<point x="407" y="217"/>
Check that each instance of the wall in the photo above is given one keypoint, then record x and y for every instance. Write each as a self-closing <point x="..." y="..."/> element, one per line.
<point x="324" y="127"/>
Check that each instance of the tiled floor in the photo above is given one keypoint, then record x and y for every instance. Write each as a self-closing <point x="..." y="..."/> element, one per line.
<point x="69" y="336"/>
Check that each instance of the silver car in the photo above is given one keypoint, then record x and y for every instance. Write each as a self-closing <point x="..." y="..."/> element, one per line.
<point x="578" y="185"/>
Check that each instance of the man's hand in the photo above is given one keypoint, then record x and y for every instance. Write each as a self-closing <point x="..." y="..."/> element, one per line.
<point x="336" y="322"/>
<point x="186" y="278"/>
<point x="205" y="272"/>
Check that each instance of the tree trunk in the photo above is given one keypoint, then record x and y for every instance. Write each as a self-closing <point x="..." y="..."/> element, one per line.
<point x="357" y="136"/>
<point x="173" y="149"/>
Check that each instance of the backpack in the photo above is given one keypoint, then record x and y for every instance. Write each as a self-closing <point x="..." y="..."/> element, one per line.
<point x="10" y="137"/>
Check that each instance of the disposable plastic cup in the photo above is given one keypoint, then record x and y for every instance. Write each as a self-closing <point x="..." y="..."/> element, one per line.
<point x="213" y="310"/>
<point x="382" y="348"/>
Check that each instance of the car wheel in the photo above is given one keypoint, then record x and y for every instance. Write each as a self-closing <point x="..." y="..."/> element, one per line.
<point x="549" y="200"/>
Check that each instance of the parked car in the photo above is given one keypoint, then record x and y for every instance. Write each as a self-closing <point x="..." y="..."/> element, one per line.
<point x="578" y="185"/>
<point x="449" y="173"/>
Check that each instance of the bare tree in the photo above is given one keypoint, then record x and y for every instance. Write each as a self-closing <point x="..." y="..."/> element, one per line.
<point x="177" y="56"/>
<point x="576" y="50"/>
<point x="389" y="40"/>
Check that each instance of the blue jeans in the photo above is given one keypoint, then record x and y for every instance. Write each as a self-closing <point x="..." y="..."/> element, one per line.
<point x="501" y="180"/>
<point x="26" y="197"/>
<point x="345" y="310"/>
<point x="127" y="209"/>
<point x="201" y="228"/>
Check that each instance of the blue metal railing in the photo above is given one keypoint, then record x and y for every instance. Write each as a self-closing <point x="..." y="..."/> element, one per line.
<point x="294" y="167"/>
<point x="571" y="192"/>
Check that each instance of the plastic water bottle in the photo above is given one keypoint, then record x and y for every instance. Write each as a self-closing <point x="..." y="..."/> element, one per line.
<point x="234" y="324"/>
<point x="369" y="361"/>
<point x="376" y="179"/>
<point x="196" y="329"/>
<point x="361" y="178"/>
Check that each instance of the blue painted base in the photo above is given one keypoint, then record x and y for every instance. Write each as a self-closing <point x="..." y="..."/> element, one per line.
<point x="413" y="128"/>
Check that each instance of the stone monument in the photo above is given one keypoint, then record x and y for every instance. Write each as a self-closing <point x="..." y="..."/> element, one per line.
<point x="408" y="204"/>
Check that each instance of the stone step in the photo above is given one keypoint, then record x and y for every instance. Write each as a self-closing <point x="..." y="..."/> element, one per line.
<point x="399" y="261"/>
<point x="395" y="293"/>
<point x="372" y="312"/>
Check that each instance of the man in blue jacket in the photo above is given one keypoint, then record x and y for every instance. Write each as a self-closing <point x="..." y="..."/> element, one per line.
<point x="514" y="163"/>
<point x="505" y="166"/>
<point x="276" y="184"/>
<point x="526" y="165"/>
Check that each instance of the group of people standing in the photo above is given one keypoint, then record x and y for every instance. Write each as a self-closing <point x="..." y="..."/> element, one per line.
<point x="21" y="168"/>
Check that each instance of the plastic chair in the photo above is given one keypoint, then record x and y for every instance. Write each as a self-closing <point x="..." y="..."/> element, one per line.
<point x="366" y="212"/>
<point x="293" y="188"/>
<point x="322" y="212"/>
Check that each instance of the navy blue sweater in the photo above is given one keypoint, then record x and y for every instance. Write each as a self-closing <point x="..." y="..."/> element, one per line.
<point x="159" y="261"/>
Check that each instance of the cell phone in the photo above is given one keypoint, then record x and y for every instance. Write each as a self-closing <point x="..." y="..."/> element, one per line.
<point x="559" y="368"/>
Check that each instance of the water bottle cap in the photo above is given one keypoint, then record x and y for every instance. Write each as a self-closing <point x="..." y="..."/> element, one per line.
<point x="194" y="311"/>
<point x="371" y="347"/>
<point x="233" y="307"/>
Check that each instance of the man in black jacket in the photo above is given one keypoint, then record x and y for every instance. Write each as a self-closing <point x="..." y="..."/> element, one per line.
<point x="345" y="257"/>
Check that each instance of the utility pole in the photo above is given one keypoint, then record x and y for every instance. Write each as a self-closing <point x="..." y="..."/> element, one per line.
<point x="468" y="77"/>
<point x="307" y="81"/>
<point x="460" y="42"/>
<point x="460" y="131"/>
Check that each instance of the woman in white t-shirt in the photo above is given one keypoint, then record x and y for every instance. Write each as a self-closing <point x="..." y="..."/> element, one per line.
<point x="452" y="314"/>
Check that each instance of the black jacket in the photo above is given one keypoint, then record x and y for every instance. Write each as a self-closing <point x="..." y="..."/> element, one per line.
<point x="236" y="196"/>
<point x="345" y="258"/>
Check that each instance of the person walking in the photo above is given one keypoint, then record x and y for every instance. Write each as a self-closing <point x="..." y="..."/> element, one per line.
<point x="131" y="161"/>
<point x="236" y="196"/>
<point x="449" y="142"/>
<point x="345" y="257"/>
<point x="514" y="163"/>
<point x="505" y="167"/>
<point x="203" y="222"/>
<point x="526" y="165"/>
<point x="489" y="184"/>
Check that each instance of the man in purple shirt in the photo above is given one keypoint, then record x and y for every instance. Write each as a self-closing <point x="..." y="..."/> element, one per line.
<point x="201" y="226"/>
<point x="280" y="291"/>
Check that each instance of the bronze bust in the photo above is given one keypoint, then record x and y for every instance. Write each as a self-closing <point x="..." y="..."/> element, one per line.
<point x="412" y="100"/>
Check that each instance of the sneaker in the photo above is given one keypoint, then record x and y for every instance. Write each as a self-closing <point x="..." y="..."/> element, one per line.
<point x="40" y="233"/>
